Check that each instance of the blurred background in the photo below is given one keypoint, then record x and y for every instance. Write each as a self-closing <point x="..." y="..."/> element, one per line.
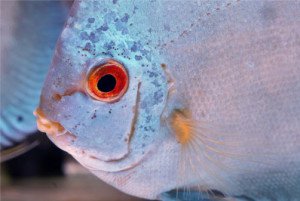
<point x="46" y="173"/>
<point x="32" y="168"/>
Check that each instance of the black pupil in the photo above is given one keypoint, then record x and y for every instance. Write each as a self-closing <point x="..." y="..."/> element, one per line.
<point x="106" y="83"/>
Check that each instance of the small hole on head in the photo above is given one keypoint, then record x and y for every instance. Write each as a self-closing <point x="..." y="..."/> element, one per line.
<point x="106" y="83"/>
<point x="57" y="97"/>
<point x="20" y="118"/>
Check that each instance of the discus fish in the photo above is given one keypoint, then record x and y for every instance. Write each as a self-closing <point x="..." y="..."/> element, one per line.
<point x="29" y="31"/>
<point x="180" y="100"/>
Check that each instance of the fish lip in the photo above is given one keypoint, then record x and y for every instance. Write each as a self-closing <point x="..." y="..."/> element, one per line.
<point x="53" y="129"/>
<point x="48" y="126"/>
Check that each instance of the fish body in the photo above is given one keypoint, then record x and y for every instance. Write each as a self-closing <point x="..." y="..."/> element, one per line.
<point x="212" y="104"/>
<point x="29" y="31"/>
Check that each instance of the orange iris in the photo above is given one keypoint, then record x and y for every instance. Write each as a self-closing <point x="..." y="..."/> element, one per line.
<point x="107" y="82"/>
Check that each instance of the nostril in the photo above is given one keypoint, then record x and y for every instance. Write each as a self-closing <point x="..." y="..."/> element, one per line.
<point x="57" y="97"/>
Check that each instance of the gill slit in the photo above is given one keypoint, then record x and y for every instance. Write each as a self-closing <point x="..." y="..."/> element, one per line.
<point x="135" y="111"/>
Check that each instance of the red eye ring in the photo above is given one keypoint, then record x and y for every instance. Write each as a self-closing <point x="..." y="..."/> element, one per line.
<point x="107" y="82"/>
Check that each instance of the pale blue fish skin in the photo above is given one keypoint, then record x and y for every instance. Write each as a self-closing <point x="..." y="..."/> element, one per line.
<point x="231" y="63"/>
<point x="29" y="31"/>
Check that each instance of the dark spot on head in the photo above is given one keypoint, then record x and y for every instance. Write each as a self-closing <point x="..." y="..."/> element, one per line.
<point x="84" y="35"/>
<point x="94" y="115"/>
<point x="125" y="18"/>
<point x="20" y="118"/>
<point x="152" y="74"/>
<point x="155" y="83"/>
<point x="134" y="47"/>
<point x="138" y="57"/>
<point x="109" y="45"/>
<point x="144" y="52"/>
<point x="148" y="119"/>
<point x="93" y="38"/>
<point x="158" y="96"/>
<point x="91" y="20"/>
<point x="104" y="27"/>
<point x="163" y="65"/>
<point x="88" y="47"/>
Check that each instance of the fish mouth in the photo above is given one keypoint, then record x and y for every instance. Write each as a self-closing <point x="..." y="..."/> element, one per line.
<point x="47" y="126"/>
<point x="53" y="130"/>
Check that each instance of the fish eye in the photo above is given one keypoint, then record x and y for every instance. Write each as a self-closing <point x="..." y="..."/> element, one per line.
<point x="107" y="82"/>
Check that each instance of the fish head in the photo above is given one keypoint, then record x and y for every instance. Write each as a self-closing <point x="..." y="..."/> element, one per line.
<point x="105" y="91"/>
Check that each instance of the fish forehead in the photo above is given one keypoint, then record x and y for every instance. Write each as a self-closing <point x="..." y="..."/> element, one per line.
<point x="132" y="32"/>
<point x="129" y="29"/>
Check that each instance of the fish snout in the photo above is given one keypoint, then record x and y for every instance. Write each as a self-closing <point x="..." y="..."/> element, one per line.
<point x="48" y="126"/>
